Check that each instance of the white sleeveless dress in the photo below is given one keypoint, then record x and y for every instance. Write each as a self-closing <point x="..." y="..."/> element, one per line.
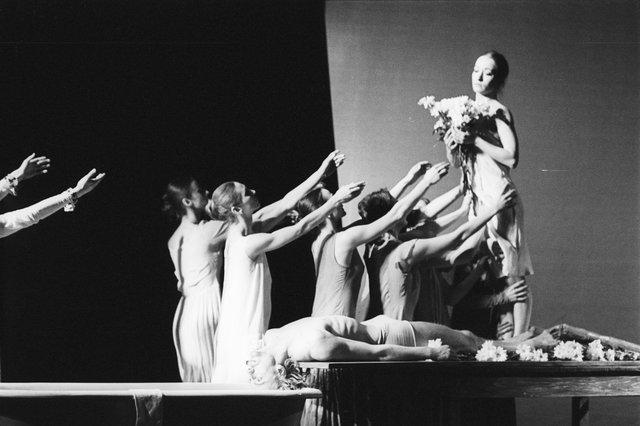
<point x="244" y="312"/>
<point x="488" y="180"/>
<point x="196" y="251"/>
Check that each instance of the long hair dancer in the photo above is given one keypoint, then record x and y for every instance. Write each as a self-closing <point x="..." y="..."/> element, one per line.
<point x="196" y="249"/>
<point x="487" y="172"/>
<point x="339" y="267"/>
<point x="246" y="299"/>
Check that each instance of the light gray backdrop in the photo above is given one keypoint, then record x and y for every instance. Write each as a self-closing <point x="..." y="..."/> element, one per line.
<point x="574" y="93"/>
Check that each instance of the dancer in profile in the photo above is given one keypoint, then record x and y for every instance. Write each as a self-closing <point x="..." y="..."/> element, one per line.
<point x="246" y="299"/>
<point x="16" y="220"/>
<point x="493" y="153"/>
<point x="196" y="249"/>
<point x="339" y="267"/>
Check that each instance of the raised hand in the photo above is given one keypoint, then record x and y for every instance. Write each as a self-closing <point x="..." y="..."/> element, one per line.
<point x="418" y="170"/>
<point x="348" y="192"/>
<point x="331" y="163"/>
<point x="32" y="166"/>
<point x="517" y="292"/>
<point x="88" y="182"/>
<point x="435" y="173"/>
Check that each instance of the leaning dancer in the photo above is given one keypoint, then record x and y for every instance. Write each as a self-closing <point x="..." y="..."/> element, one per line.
<point x="339" y="267"/>
<point x="393" y="264"/>
<point x="494" y="152"/>
<point x="246" y="298"/>
<point x="339" y="338"/>
<point x="196" y="252"/>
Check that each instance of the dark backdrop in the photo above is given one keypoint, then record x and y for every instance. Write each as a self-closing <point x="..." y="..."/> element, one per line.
<point x="144" y="91"/>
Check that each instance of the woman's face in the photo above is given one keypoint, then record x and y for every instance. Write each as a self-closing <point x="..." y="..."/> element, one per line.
<point x="482" y="76"/>
<point x="250" y="202"/>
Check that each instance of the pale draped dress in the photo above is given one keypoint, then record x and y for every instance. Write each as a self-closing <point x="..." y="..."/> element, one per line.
<point x="244" y="312"/>
<point x="196" y="252"/>
<point x="488" y="179"/>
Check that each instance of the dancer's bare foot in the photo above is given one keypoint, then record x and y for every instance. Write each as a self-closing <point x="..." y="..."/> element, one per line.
<point x="542" y="340"/>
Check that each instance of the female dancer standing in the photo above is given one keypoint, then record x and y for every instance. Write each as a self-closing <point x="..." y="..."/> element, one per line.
<point x="246" y="300"/>
<point x="494" y="152"/>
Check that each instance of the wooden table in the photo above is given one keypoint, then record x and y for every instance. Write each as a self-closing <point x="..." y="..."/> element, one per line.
<point x="395" y="392"/>
<point x="145" y="404"/>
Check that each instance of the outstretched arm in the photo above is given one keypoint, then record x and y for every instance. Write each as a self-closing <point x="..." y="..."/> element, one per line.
<point x="450" y="218"/>
<point x="324" y="346"/>
<point x="265" y="242"/>
<point x="424" y="248"/>
<point x="409" y="179"/>
<point x="269" y="216"/>
<point x="30" y="167"/>
<point x="357" y="235"/>
<point x="518" y="292"/>
<point x="19" y="219"/>
<point x="442" y="202"/>
<point x="508" y="154"/>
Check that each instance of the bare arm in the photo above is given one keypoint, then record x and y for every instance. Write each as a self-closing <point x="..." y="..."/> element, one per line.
<point x="30" y="167"/>
<point x="427" y="247"/>
<point x="269" y="216"/>
<point x="459" y="290"/>
<point x="450" y="218"/>
<point x="442" y="202"/>
<point x="508" y="153"/>
<point x="409" y="179"/>
<point x="265" y="242"/>
<point x="357" y="235"/>
<point x="517" y="292"/>
<point x="19" y="219"/>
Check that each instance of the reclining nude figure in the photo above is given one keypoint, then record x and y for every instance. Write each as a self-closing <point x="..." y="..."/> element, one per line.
<point x="340" y="338"/>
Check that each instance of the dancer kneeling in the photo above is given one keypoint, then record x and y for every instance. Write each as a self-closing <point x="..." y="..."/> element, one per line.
<point x="340" y="338"/>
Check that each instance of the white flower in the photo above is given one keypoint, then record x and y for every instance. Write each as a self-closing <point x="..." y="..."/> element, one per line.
<point x="437" y="343"/>
<point x="489" y="352"/>
<point x="527" y="353"/>
<point x="611" y="355"/>
<point x="595" y="351"/>
<point x="427" y="102"/>
<point x="570" y="350"/>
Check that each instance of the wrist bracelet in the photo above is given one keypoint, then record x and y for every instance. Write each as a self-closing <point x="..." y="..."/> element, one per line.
<point x="73" y="200"/>
<point x="13" y="184"/>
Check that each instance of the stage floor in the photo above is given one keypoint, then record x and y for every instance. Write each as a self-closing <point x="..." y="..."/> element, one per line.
<point x="147" y="404"/>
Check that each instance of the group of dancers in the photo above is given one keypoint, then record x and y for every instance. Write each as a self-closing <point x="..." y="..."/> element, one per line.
<point x="409" y="253"/>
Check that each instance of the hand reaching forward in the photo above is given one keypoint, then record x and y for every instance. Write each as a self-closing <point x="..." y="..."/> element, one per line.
<point x="32" y="166"/>
<point x="418" y="170"/>
<point x="348" y="192"/>
<point x="435" y="173"/>
<point x="331" y="163"/>
<point x="87" y="183"/>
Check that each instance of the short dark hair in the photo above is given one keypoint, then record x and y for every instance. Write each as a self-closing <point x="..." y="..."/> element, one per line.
<point x="176" y="190"/>
<point x="375" y="205"/>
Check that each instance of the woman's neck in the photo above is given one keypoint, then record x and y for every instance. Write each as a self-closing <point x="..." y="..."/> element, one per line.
<point x="191" y="217"/>
<point x="486" y="98"/>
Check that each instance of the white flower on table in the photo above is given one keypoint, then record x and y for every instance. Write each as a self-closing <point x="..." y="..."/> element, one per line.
<point x="527" y="353"/>
<point x="570" y="350"/>
<point x="490" y="352"/>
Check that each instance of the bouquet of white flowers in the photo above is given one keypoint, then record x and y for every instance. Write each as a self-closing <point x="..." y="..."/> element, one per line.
<point x="459" y="116"/>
